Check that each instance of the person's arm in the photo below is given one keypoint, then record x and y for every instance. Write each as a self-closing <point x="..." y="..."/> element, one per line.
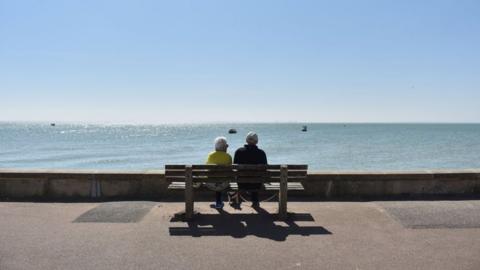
<point x="264" y="157"/>
<point x="236" y="157"/>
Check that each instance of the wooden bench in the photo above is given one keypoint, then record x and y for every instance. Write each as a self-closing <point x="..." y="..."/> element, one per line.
<point x="273" y="178"/>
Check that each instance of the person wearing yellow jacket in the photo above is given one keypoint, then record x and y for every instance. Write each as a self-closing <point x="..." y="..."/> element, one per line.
<point x="219" y="157"/>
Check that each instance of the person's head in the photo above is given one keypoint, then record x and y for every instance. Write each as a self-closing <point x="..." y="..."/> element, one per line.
<point x="252" y="138"/>
<point x="221" y="144"/>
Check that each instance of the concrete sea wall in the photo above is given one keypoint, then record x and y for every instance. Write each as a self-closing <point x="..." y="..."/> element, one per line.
<point x="85" y="185"/>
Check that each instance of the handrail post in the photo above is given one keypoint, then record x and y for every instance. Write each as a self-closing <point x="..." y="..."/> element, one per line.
<point x="282" y="195"/>
<point x="188" y="192"/>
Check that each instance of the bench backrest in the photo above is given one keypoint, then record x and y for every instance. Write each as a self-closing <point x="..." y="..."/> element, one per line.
<point x="235" y="173"/>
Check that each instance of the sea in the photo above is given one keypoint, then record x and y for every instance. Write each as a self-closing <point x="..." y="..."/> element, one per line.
<point x="336" y="146"/>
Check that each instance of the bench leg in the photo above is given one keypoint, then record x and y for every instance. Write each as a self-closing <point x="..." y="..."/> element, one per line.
<point x="282" y="194"/>
<point x="188" y="194"/>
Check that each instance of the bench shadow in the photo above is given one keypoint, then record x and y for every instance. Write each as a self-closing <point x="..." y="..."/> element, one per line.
<point x="261" y="224"/>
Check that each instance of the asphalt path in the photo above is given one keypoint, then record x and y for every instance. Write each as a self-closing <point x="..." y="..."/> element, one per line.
<point x="318" y="235"/>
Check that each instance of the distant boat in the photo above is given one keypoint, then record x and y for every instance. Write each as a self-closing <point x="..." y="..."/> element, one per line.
<point x="304" y="129"/>
<point x="52" y="124"/>
<point x="232" y="131"/>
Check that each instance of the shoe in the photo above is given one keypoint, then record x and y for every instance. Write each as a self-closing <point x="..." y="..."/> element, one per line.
<point x="235" y="205"/>
<point x="218" y="205"/>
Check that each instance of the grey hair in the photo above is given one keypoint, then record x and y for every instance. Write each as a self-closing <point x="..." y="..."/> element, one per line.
<point x="252" y="138"/>
<point x="221" y="144"/>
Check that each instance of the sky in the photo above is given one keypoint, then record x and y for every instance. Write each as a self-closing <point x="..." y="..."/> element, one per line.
<point x="239" y="61"/>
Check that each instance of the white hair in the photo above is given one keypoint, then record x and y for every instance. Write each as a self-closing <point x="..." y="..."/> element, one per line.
<point x="252" y="138"/>
<point x="221" y="144"/>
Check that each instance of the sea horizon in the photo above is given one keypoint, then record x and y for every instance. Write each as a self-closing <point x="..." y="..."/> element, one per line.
<point x="325" y="146"/>
<point x="231" y="122"/>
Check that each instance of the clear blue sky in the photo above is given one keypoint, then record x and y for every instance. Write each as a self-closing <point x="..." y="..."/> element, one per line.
<point x="210" y="61"/>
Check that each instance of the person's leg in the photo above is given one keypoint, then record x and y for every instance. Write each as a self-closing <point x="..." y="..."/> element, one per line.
<point x="218" y="199"/>
<point x="255" y="201"/>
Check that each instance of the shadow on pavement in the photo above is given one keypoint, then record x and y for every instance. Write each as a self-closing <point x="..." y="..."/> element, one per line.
<point x="262" y="224"/>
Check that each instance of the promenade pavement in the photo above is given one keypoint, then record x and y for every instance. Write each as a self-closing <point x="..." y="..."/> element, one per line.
<point x="320" y="235"/>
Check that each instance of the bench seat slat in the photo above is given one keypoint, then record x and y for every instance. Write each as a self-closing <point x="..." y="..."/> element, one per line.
<point x="175" y="178"/>
<point x="174" y="167"/>
<point x="234" y="186"/>
<point x="236" y="173"/>
<point x="237" y="166"/>
<point x="212" y="179"/>
<point x="290" y="186"/>
<point x="181" y="185"/>
<point x="169" y="173"/>
<point x="248" y="173"/>
<point x="266" y="179"/>
<point x="237" y="179"/>
<point x="230" y="167"/>
<point x="276" y="179"/>
<point x="174" y="173"/>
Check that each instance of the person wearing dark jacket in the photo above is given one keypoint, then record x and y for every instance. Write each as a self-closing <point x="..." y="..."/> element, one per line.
<point x="250" y="154"/>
